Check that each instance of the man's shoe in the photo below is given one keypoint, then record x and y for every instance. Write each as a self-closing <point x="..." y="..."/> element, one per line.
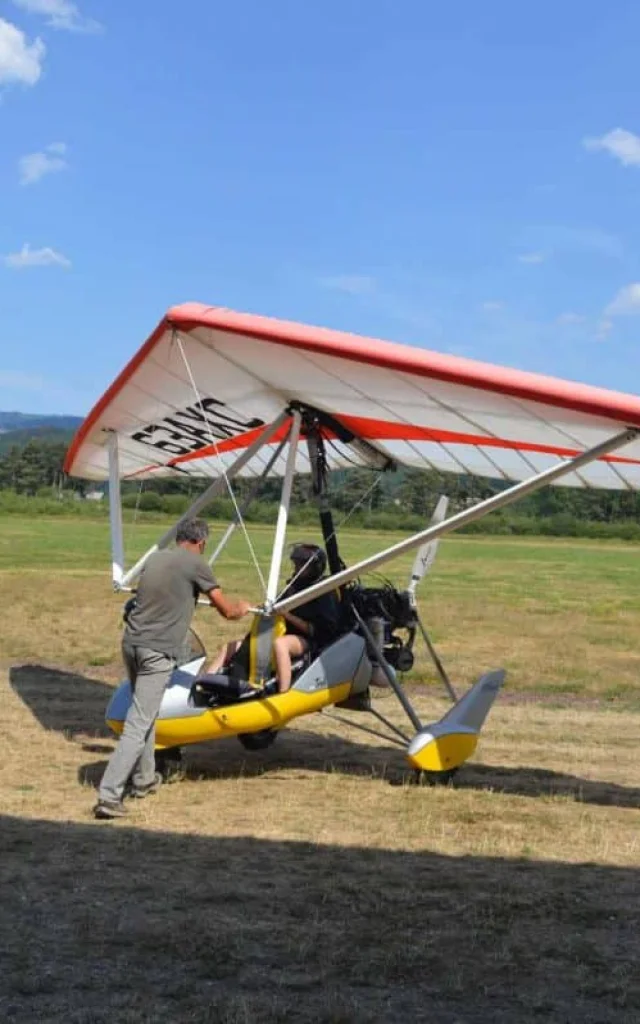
<point x="106" y="810"/>
<point x="139" y="792"/>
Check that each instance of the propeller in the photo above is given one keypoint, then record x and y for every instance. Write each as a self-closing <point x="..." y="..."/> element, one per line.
<point x="427" y="553"/>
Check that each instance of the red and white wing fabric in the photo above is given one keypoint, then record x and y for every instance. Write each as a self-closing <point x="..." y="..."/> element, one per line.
<point x="205" y="383"/>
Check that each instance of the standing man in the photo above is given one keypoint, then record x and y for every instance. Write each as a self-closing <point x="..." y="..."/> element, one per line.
<point x="156" y="630"/>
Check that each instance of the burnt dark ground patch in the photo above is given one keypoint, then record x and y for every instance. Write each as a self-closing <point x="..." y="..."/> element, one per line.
<point x="102" y="924"/>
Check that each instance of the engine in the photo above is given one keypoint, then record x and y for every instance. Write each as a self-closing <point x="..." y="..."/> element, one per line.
<point x="387" y="611"/>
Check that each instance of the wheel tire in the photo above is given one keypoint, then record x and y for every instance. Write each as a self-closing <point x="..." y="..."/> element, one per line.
<point x="169" y="764"/>
<point x="257" y="740"/>
<point x="423" y="778"/>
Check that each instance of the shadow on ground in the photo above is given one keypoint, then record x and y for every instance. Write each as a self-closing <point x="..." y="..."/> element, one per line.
<point x="74" y="705"/>
<point x="305" y="750"/>
<point x="106" y="923"/>
<point x="65" y="702"/>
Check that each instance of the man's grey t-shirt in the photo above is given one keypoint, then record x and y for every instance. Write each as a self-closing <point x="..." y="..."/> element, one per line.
<point x="166" y="598"/>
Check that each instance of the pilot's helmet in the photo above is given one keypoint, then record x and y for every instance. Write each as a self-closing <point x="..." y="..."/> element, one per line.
<point x="309" y="562"/>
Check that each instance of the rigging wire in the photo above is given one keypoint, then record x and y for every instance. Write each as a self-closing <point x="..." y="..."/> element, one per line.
<point x="333" y="533"/>
<point x="238" y="511"/>
<point x="342" y="455"/>
<point x="214" y="444"/>
<point x="253" y="496"/>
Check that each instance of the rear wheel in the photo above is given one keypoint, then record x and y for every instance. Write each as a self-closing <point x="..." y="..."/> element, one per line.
<point x="257" y="740"/>
<point x="169" y="764"/>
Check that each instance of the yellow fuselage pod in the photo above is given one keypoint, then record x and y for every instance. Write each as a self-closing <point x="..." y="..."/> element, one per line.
<point x="340" y="671"/>
<point x="247" y="716"/>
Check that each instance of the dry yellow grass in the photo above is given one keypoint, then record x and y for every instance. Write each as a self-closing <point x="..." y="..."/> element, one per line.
<point x="313" y="882"/>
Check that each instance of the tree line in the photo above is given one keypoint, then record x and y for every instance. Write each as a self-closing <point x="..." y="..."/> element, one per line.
<point x="400" y="499"/>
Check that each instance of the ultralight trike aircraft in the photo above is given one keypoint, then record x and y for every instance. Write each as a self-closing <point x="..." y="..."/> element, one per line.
<point x="220" y="394"/>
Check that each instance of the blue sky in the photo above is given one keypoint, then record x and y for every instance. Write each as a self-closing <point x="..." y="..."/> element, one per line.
<point x="462" y="176"/>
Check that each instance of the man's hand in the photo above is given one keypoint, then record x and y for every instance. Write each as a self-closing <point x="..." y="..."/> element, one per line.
<point x="228" y="608"/>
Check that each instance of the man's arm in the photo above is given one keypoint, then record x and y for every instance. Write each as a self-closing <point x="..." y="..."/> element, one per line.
<point x="208" y="585"/>
<point x="228" y="608"/>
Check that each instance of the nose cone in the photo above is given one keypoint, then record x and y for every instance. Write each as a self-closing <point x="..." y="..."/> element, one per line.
<point x="450" y="742"/>
<point x="429" y="753"/>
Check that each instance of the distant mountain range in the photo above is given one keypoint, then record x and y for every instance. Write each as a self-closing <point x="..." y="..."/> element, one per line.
<point x="28" y="421"/>
<point x="17" y="428"/>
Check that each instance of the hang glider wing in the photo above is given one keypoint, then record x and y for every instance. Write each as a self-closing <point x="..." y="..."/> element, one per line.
<point x="204" y="385"/>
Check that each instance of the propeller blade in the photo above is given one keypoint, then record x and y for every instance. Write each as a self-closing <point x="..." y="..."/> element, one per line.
<point x="427" y="553"/>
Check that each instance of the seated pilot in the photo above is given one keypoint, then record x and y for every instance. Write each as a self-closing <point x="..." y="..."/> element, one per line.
<point x="309" y="628"/>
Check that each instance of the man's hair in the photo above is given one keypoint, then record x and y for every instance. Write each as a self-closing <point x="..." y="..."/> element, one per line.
<point x="192" y="531"/>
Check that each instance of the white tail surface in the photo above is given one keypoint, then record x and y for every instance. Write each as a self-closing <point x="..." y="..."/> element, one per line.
<point x="427" y="553"/>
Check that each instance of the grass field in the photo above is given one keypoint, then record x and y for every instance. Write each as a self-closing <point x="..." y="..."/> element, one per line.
<point x="313" y="882"/>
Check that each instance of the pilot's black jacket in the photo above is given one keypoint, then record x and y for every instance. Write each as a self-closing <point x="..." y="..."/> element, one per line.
<point x="323" y="613"/>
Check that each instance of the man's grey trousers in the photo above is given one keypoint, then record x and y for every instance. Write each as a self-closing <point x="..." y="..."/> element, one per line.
<point x="149" y="672"/>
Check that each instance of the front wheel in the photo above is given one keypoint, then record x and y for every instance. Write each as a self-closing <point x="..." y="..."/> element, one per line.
<point x="169" y="764"/>
<point x="424" y="778"/>
<point x="257" y="740"/>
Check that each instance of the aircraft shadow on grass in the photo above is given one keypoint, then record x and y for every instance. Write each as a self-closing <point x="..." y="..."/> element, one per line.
<point x="64" y="702"/>
<point x="209" y="929"/>
<point x="73" y="704"/>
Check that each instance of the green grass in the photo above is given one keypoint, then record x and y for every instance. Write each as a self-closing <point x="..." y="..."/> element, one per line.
<point x="81" y="543"/>
<point x="559" y="615"/>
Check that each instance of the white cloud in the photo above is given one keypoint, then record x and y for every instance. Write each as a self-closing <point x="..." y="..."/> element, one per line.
<point x="619" y="143"/>
<point x="34" y="166"/>
<point x="532" y="257"/>
<point x="604" y="329"/>
<point x="28" y="257"/>
<point x="492" y="307"/>
<point x="61" y="14"/>
<point x="571" y="318"/>
<point x="626" y="302"/>
<point x="20" y="60"/>
<point x="352" y="284"/>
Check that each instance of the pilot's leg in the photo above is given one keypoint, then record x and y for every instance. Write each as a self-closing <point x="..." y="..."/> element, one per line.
<point x="224" y="655"/>
<point x="284" y="649"/>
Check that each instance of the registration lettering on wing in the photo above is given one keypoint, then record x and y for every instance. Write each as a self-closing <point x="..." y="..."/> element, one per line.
<point x="195" y="427"/>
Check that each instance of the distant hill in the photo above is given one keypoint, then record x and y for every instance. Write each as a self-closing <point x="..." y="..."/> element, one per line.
<point x="29" y="421"/>
<point x="17" y="428"/>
